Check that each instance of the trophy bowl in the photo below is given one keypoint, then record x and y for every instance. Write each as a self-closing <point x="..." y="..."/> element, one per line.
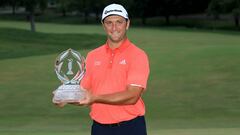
<point x="70" y="69"/>
<point x="68" y="94"/>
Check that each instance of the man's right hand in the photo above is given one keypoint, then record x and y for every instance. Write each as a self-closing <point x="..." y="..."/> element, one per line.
<point x="59" y="104"/>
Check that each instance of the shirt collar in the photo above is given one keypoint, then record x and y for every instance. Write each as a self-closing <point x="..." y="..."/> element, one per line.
<point x="121" y="48"/>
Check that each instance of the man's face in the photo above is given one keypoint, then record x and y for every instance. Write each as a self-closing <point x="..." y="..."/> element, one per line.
<point x="115" y="27"/>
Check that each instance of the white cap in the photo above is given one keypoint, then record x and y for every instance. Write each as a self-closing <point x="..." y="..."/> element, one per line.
<point x="114" y="9"/>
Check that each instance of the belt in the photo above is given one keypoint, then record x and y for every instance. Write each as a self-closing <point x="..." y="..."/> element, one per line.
<point x="116" y="124"/>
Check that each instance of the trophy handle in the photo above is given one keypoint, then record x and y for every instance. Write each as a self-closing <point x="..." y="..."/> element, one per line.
<point x="62" y="79"/>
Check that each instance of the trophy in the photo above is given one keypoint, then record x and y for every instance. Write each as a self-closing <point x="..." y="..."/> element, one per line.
<point x="70" y="69"/>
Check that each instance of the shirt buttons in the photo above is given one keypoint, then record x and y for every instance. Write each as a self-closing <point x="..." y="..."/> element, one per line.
<point x="111" y="62"/>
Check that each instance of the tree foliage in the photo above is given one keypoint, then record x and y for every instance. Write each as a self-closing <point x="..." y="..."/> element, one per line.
<point x="31" y="7"/>
<point x="143" y="9"/>
<point x="217" y="7"/>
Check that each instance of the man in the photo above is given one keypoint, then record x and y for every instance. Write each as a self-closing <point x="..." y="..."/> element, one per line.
<point x="116" y="77"/>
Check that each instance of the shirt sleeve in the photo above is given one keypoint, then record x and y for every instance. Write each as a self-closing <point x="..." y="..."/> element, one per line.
<point x="139" y="71"/>
<point x="86" y="81"/>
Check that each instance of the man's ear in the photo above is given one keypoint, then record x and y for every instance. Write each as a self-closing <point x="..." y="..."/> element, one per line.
<point x="103" y="25"/>
<point x="128" y="24"/>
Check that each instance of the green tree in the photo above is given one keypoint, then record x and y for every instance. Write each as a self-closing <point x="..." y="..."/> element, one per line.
<point x="234" y="7"/>
<point x="178" y="7"/>
<point x="64" y="6"/>
<point x="97" y="7"/>
<point x="236" y="14"/>
<point x="166" y="8"/>
<point x="215" y="8"/>
<point x="82" y="6"/>
<point x="13" y="3"/>
<point x="42" y="5"/>
<point x="31" y="6"/>
<point x="139" y="8"/>
<point x="3" y="3"/>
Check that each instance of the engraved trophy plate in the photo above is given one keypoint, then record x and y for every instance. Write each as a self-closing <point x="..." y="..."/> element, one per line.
<point x="70" y="69"/>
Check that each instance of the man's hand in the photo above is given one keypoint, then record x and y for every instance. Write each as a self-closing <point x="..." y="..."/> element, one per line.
<point x="128" y="97"/>
<point x="60" y="104"/>
<point x="87" y="101"/>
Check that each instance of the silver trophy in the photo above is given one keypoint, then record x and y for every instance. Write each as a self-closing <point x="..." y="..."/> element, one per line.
<point x="70" y="69"/>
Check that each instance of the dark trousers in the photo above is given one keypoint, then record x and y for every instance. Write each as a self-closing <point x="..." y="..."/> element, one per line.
<point x="136" y="126"/>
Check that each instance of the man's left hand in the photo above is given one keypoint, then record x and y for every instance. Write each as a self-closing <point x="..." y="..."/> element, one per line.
<point x="87" y="101"/>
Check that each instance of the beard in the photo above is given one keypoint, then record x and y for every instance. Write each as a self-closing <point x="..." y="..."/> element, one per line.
<point x="116" y="37"/>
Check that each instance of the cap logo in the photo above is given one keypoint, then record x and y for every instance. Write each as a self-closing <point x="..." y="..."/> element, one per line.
<point x="115" y="10"/>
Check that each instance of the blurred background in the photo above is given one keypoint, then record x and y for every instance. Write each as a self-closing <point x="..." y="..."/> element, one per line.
<point x="212" y="14"/>
<point x="193" y="48"/>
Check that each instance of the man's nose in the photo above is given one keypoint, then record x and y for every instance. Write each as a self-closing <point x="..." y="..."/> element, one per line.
<point x="114" y="26"/>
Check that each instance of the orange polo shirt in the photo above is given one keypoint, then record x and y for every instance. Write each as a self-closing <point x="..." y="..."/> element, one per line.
<point x="109" y="71"/>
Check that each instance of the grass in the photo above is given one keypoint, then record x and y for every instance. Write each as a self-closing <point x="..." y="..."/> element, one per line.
<point x="41" y="43"/>
<point x="193" y="87"/>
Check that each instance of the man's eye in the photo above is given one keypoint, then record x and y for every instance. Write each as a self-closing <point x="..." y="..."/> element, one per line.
<point x="119" y="22"/>
<point x="108" y="23"/>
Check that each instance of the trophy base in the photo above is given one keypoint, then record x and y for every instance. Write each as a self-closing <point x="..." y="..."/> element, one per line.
<point x="68" y="93"/>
